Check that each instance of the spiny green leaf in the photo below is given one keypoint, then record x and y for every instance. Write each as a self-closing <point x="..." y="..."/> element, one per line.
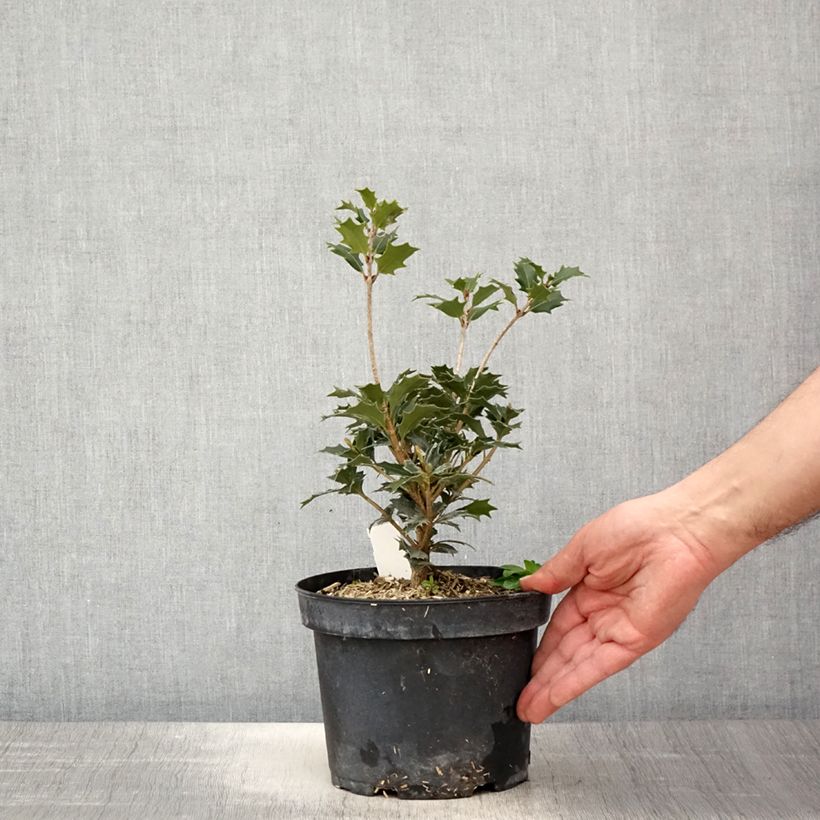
<point x="349" y="206"/>
<point x="545" y="300"/>
<point x="477" y="508"/>
<point x="368" y="197"/>
<point x="464" y="284"/>
<point x="382" y="240"/>
<point x="450" y="307"/>
<point x="394" y="257"/>
<point x="484" y="292"/>
<point x="414" y="417"/>
<point x="353" y="235"/>
<point x="509" y="293"/>
<point x="350" y="478"/>
<point x="373" y="393"/>
<point x="351" y="258"/>
<point x="385" y="213"/>
<point x="363" y="411"/>
<point x="443" y="546"/>
<point x="477" y="313"/>
<point x="342" y="393"/>
<point x="565" y="273"/>
<point x="317" y="495"/>
<point x="526" y="273"/>
<point x="335" y="450"/>
<point x="407" y="383"/>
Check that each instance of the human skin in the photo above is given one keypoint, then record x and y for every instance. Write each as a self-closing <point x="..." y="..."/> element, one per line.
<point x="637" y="571"/>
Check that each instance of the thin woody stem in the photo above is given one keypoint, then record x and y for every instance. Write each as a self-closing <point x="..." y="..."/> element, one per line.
<point x="461" y="339"/>
<point x="475" y="473"/>
<point x="387" y="517"/>
<point x="369" y="277"/>
<point x="519" y="312"/>
<point x="371" y="347"/>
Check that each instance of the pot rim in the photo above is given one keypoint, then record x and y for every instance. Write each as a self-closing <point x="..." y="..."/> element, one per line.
<point x="493" y="571"/>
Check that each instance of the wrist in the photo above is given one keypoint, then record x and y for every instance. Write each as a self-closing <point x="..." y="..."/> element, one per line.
<point x="711" y="508"/>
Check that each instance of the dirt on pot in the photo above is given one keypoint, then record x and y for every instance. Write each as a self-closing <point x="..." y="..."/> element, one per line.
<point x="441" y="583"/>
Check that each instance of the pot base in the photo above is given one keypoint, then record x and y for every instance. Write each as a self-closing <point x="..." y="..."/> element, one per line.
<point x="436" y="788"/>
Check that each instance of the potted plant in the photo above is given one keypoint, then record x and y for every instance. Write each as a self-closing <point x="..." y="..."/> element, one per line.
<point x="419" y="675"/>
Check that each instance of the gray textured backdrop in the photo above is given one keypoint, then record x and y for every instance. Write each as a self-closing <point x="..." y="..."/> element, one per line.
<point x="171" y="319"/>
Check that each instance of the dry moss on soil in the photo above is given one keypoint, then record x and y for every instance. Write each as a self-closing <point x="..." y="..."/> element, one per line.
<point x="445" y="584"/>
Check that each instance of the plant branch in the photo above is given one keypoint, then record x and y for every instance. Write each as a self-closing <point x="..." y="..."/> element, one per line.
<point x="519" y="312"/>
<point x="461" y="339"/>
<point x="475" y="473"/>
<point x="369" y="278"/>
<point x="387" y="517"/>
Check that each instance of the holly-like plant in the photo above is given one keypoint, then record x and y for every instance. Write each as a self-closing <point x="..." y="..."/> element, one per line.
<point x="428" y="437"/>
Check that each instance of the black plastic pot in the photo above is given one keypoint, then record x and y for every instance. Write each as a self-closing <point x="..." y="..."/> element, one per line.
<point x="419" y="696"/>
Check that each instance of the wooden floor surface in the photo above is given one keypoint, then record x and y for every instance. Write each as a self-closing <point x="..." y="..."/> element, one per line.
<point x="750" y="769"/>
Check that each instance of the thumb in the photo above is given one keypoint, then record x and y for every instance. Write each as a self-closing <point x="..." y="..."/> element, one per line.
<point x="562" y="571"/>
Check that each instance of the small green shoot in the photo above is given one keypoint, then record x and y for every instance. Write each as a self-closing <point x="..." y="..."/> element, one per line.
<point x="430" y="585"/>
<point x="512" y="574"/>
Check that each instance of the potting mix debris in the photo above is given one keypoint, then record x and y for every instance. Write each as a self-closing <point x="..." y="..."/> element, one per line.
<point x="442" y="583"/>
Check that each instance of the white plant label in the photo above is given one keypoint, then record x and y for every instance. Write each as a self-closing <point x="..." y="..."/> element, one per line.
<point x="390" y="558"/>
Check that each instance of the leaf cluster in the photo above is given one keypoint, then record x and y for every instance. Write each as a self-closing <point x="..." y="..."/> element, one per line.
<point x="367" y="232"/>
<point x="512" y="574"/>
<point x="445" y="423"/>
<point x="426" y="438"/>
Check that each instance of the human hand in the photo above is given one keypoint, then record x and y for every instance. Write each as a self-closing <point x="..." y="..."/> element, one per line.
<point x="635" y="574"/>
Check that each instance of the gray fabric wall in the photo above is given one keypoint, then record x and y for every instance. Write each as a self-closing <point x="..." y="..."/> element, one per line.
<point x="171" y="320"/>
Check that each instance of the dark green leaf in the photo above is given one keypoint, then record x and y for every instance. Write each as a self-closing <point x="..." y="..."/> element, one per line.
<point x="464" y="284"/>
<point x="350" y="478"/>
<point x="349" y="206"/>
<point x="477" y="508"/>
<point x="414" y="417"/>
<point x="477" y="313"/>
<point x="394" y="257"/>
<point x="342" y="393"/>
<point x="509" y="293"/>
<point x="545" y="300"/>
<point x="443" y="546"/>
<point x="484" y="292"/>
<point x="373" y="393"/>
<point x="351" y="258"/>
<point x="565" y="273"/>
<point x="382" y="240"/>
<point x="336" y="450"/>
<point x="450" y="307"/>
<point x="526" y="273"/>
<point x="363" y="411"/>
<point x="317" y="495"/>
<point x="407" y="383"/>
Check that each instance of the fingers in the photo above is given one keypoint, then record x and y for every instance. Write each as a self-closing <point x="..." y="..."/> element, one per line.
<point x="562" y="571"/>
<point x="546" y="693"/>
<point x="567" y="616"/>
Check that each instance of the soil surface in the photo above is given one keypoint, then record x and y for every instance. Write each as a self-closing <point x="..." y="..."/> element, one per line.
<point x="442" y="583"/>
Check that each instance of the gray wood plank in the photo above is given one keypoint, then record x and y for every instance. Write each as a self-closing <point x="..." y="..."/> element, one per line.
<point x="752" y="769"/>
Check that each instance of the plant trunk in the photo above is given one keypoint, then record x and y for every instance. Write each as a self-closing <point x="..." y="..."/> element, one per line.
<point x="421" y="572"/>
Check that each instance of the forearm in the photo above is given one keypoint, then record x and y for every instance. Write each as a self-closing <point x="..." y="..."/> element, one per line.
<point x="766" y="482"/>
